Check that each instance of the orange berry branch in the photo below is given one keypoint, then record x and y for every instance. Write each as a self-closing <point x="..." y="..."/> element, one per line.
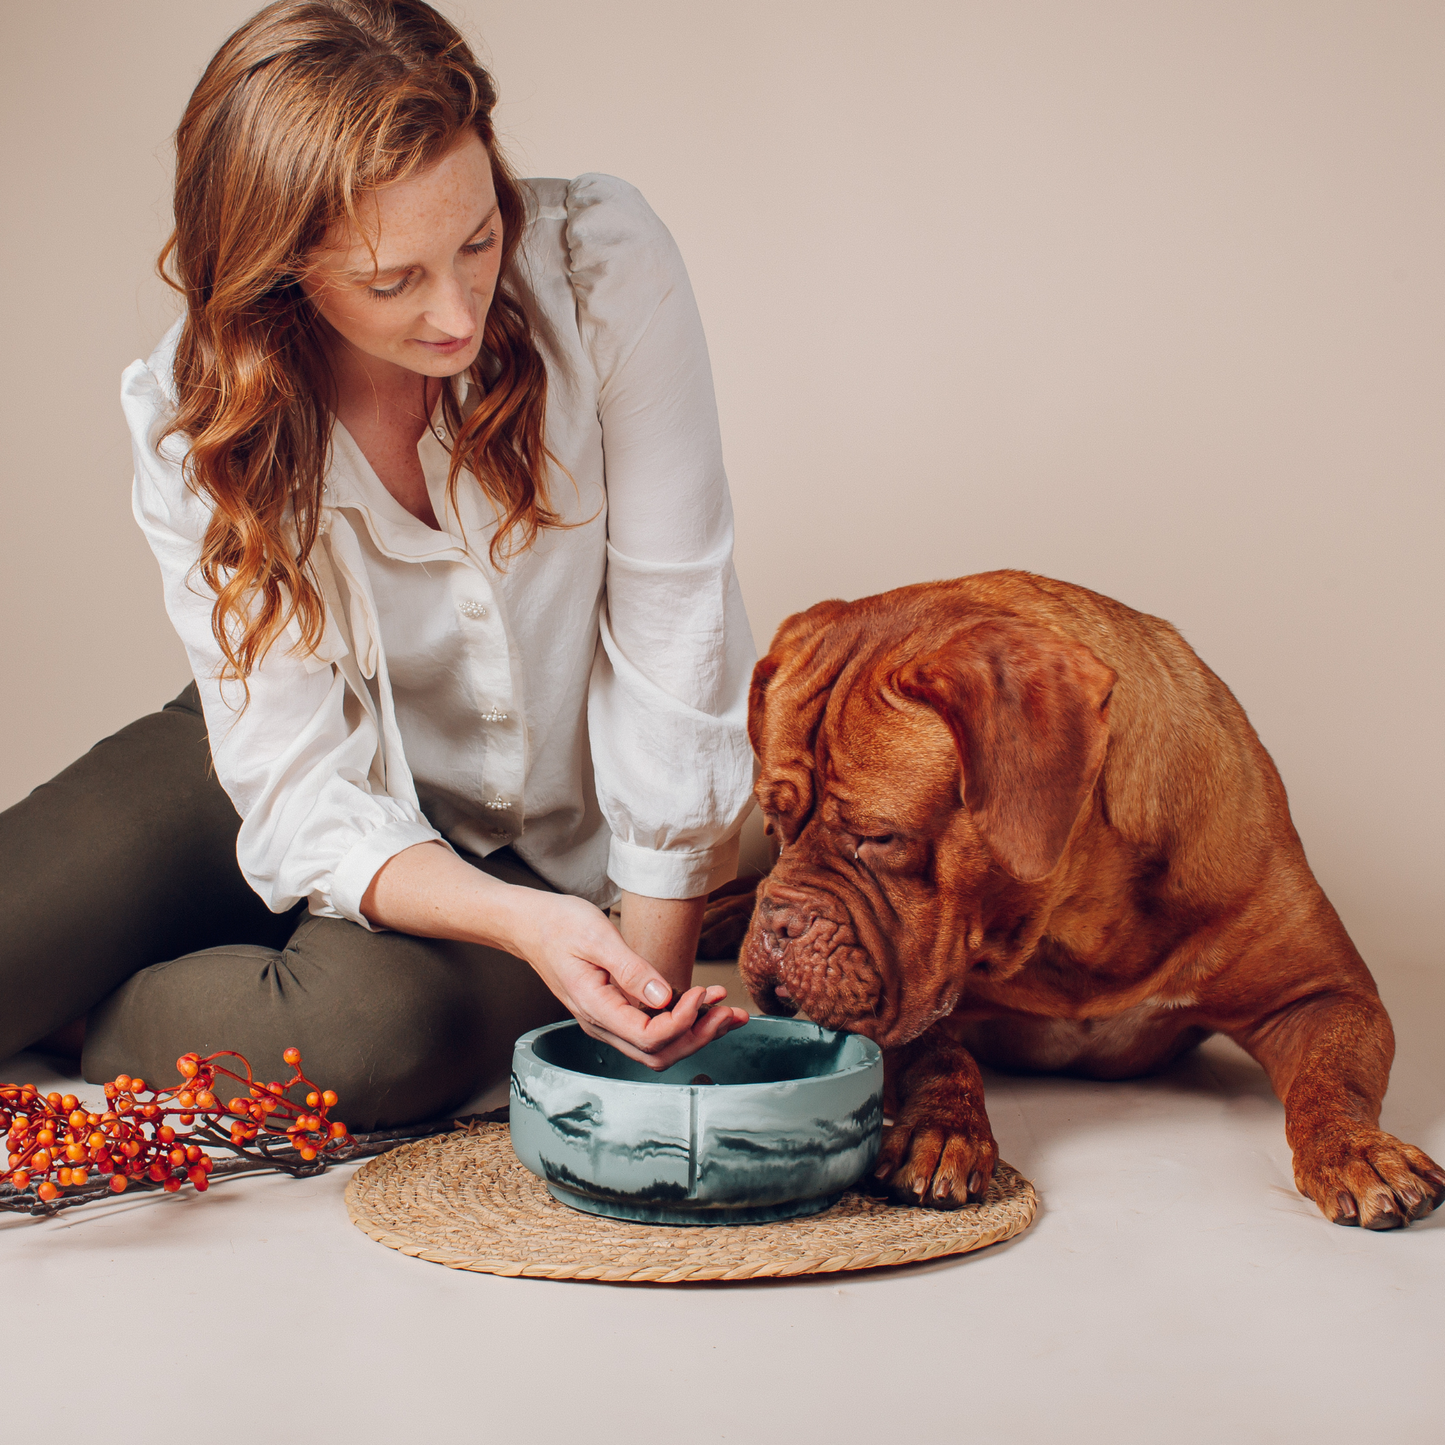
<point x="56" y="1144"/>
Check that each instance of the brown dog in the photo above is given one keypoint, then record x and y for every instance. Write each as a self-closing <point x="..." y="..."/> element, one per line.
<point x="1023" y="824"/>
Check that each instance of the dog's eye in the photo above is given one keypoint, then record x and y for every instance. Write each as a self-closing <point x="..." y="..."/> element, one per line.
<point x="881" y="840"/>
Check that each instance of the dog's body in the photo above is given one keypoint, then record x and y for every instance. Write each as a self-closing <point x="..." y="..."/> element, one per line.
<point x="1023" y="824"/>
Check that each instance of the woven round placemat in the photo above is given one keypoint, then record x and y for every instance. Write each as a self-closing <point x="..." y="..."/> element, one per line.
<point x="464" y="1200"/>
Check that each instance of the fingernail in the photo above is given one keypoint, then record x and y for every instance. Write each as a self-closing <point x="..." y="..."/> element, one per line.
<point x="657" y="994"/>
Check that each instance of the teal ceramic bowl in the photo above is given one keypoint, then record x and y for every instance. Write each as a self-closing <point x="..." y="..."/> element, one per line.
<point x="792" y="1116"/>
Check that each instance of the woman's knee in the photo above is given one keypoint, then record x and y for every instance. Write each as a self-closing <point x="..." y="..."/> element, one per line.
<point x="402" y="1028"/>
<point x="411" y="1026"/>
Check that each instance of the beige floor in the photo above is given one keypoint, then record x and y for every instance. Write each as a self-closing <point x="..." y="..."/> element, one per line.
<point x="1175" y="1288"/>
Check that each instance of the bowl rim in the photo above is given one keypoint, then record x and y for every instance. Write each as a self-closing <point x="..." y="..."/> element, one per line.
<point x="873" y="1058"/>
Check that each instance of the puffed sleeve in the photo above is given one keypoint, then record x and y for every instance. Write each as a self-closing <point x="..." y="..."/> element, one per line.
<point x="667" y="705"/>
<point x="302" y="760"/>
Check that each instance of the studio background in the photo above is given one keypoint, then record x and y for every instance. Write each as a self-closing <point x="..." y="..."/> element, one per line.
<point x="1147" y="297"/>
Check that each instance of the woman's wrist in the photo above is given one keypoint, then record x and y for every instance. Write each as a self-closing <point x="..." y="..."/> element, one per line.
<point x="664" y="931"/>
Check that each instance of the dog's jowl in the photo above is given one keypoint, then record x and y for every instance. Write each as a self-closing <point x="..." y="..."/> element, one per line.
<point x="1025" y="825"/>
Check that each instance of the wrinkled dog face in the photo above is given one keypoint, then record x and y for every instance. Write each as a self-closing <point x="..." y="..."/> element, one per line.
<point x="891" y="859"/>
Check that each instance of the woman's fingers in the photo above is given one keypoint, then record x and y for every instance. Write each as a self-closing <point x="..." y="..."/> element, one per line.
<point x="637" y="978"/>
<point x="712" y="1025"/>
<point x="659" y="1040"/>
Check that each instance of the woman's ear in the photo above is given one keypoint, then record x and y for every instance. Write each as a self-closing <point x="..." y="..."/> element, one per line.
<point x="1028" y="710"/>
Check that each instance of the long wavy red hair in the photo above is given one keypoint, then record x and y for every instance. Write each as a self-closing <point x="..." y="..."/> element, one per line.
<point x="308" y="106"/>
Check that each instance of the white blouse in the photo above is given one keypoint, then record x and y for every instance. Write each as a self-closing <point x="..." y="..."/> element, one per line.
<point x="587" y="702"/>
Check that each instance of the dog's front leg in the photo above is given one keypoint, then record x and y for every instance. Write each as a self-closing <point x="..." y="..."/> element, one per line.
<point x="939" y="1151"/>
<point x="1328" y="1056"/>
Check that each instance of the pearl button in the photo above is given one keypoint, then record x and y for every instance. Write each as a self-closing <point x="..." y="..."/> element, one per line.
<point x="469" y="608"/>
<point x="441" y="433"/>
<point x="494" y="716"/>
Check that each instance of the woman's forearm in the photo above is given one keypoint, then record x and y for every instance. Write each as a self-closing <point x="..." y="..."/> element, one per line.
<point x="664" y="931"/>
<point x="429" y="891"/>
<point x="630" y="989"/>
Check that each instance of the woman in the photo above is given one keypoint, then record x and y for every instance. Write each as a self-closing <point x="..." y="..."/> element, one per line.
<point x="431" y="469"/>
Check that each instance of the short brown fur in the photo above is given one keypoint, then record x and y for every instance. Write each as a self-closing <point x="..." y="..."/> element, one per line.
<point x="1024" y="824"/>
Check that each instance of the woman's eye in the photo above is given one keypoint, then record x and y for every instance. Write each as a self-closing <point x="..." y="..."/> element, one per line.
<point x="475" y="248"/>
<point x="386" y="292"/>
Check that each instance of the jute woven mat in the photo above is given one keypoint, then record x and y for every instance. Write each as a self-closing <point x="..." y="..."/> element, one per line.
<point x="465" y="1201"/>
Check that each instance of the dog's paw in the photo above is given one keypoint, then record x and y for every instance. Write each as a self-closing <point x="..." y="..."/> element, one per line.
<point x="1360" y="1175"/>
<point x="936" y="1165"/>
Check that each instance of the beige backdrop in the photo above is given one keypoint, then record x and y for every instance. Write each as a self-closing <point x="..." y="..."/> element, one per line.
<point x="1143" y="296"/>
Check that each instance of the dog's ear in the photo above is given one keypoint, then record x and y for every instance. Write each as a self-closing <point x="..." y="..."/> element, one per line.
<point x="796" y="633"/>
<point x="1028" y="710"/>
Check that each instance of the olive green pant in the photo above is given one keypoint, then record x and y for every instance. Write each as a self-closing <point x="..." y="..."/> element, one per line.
<point x="122" y="901"/>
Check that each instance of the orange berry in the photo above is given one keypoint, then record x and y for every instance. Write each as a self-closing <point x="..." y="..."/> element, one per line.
<point x="41" y="1162"/>
<point x="48" y="1191"/>
<point x="119" y="1183"/>
<point x="45" y="1136"/>
<point x="206" y="1101"/>
<point x="186" y="1099"/>
<point x="292" y="1057"/>
<point x="193" y="1152"/>
<point x="111" y="1091"/>
<point x="136" y="1085"/>
<point x="96" y="1140"/>
<point x="69" y="1102"/>
<point x="53" y="1100"/>
<point x="307" y="1152"/>
<point x="79" y="1176"/>
<point x="312" y="1099"/>
<point x="122" y="1082"/>
<point x="188" y="1066"/>
<point x="77" y="1119"/>
<point x="329" y="1098"/>
<point x="165" y="1133"/>
<point x="74" y="1152"/>
<point x="62" y="1176"/>
<point x="202" y="1183"/>
<point x="157" y="1171"/>
<point x="171" y="1184"/>
<point x="20" y="1179"/>
<point x="338" y="1129"/>
<point x="177" y="1156"/>
<point x="187" y="1119"/>
<point x="207" y="1163"/>
<point x="237" y="1106"/>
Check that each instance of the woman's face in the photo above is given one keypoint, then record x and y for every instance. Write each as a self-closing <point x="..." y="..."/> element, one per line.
<point x="437" y="238"/>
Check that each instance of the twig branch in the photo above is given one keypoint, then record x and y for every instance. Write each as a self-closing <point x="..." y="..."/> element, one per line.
<point x="286" y="1161"/>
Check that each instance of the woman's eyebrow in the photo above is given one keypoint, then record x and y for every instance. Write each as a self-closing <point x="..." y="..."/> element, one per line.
<point x="369" y="276"/>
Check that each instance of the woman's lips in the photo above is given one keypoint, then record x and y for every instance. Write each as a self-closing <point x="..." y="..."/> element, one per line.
<point x="446" y="348"/>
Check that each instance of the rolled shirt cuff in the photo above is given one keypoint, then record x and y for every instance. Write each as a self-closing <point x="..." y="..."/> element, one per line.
<point x="672" y="872"/>
<point x="352" y="876"/>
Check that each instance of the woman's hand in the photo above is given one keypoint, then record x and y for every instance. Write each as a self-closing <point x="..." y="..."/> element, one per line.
<point x="614" y="993"/>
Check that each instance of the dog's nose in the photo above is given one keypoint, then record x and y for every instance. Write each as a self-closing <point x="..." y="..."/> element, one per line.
<point x="776" y="915"/>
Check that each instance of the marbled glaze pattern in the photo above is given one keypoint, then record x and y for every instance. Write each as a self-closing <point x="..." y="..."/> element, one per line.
<point x="793" y="1117"/>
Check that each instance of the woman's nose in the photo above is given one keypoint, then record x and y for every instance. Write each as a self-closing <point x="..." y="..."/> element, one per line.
<point x="451" y="308"/>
